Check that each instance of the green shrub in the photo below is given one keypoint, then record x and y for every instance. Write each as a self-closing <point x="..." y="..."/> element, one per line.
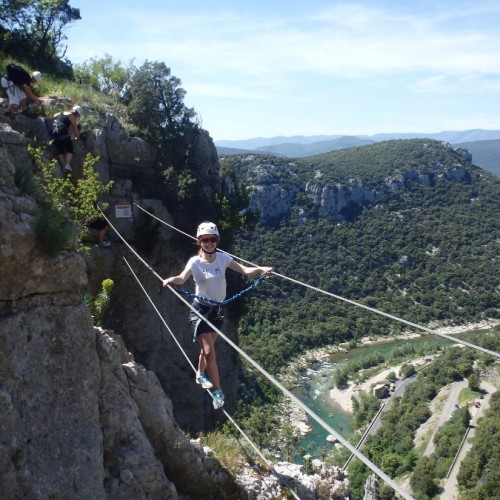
<point x="53" y="230"/>
<point x="26" y="181"/>
<point x="101" y="303"/>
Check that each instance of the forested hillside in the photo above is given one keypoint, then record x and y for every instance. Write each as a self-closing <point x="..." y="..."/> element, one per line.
<point x="426" y="251"/>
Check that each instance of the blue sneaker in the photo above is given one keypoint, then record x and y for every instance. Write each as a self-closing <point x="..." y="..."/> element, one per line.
<point x="204" y="381"/>
<point x="218" y="399"/>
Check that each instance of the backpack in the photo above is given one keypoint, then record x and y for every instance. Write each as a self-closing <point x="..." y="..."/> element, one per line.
<point x="18" y="75"/>
<point x="60" y="128"/>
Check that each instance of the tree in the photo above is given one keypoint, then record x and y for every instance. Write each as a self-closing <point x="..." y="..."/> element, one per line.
<point x="422" y="479"/>
<point x="474" y="382"/>
<point x="105" y="75"/>
<point x="155" y="101"/>
<point x="32" y="30"/>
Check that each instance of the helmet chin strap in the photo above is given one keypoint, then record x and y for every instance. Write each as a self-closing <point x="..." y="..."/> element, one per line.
<point x="209" y="253"/>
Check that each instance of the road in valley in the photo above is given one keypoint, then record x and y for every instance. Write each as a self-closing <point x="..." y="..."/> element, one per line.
<point x="446" y="411"/>
<point x="450" y="491"/>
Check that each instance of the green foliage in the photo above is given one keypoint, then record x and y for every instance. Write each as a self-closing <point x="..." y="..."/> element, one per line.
<point x="407" y="370"/>
<point x="155" y="101"/>
<point x="422" y="479"/>
<point x="26" y="181"/>
<point x="355" y="366"/>
<point x="365" y="407"/>
<point x="447" y="441"/>
<point x="474" y="382"/>
<point x="186" y="183"/>
<point x="53" y="230"/>
<point x="100" y="304"/>
<point x="33" y="31"/>
<point x="75" y="202"/>
<point x="479" y="475"/>
<point x="105" y="75"/>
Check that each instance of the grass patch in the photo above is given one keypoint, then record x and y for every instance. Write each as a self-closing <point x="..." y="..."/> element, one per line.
<point x="467" y="395"/>
<point x="226" y="449"/>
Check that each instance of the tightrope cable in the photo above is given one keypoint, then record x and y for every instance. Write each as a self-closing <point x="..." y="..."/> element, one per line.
<point x="249" y="441"/>
<point x="382" y="475"/>
<point x="299" y="403"/>
<point x="349" y="301"/>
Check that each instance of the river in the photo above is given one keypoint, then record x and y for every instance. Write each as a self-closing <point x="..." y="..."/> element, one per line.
<point x="317" y="381"/>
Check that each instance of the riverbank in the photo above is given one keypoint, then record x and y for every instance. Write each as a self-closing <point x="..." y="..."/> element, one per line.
<point x="343" y="397"/>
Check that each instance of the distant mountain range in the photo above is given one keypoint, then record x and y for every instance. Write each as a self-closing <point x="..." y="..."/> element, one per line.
<point x="484" y="145"/>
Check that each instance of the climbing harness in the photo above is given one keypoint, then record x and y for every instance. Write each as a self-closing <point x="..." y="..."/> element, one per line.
<point x="206" y="300"/>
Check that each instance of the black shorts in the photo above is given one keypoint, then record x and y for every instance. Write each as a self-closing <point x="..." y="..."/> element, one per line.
<point x="98" y="224"/>
<point x="214" y="314"/>
<point x="64" y="145"/>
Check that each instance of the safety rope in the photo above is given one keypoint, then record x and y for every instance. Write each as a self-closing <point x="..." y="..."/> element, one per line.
<point x="382" y="475"/>
<point x="349" y="301"/>
<point x="240" y="430"/>
<point x="257" y="282"/>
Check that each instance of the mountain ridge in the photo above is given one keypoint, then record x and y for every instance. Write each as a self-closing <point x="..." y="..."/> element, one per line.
<point x="452" y="136"/>
<point x="484" y="145"/>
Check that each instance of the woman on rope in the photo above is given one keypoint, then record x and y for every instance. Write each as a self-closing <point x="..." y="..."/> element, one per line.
<point x="208" y="270"/>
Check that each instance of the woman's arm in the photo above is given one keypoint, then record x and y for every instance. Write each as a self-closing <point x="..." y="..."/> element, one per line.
<point x="31" y="96"/>
<point x="179" y="279"/>
<point x="249" y="271"/>
<point x="74" y="127"/>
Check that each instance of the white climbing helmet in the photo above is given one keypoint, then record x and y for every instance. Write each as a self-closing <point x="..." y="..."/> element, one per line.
<point x="207" y="228"/>
<point x="78" y="110"/>
<point x="36" y="75"/>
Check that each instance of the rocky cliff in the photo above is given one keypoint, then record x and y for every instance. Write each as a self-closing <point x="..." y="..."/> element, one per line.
<point x="278" y="191"/>
<point x="91" y="413"/>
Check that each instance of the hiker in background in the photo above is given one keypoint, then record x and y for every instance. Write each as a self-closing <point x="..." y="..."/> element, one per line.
<point x="208" y="269"/>
<point x="17" y="85"/>
<point x="101" y="226"/>
<point x="64" y="128"/>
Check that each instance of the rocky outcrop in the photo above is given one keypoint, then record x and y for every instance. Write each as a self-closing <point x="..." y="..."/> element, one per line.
<point x="278" y="194"/>
<point x="321" y="482"/>
<point x="272" y="202"/>
<point x="79" y="417"/>
<point x="336" y="201"/>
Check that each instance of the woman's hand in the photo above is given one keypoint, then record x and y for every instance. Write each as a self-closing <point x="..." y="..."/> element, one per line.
<point x="266" y="272"/>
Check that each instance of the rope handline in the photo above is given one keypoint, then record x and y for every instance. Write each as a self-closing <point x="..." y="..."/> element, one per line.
<point x="349" y="301"/>
<point x="128" y="246"/>
<point x="299" y="403"/>
<point x="223" y="302"/>
<point x="250" y="442"/>
<point x="382" y="475"/>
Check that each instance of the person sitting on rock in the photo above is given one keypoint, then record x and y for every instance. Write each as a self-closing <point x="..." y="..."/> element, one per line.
<point x="17" y="85"/>
<point x="64" y="128"/>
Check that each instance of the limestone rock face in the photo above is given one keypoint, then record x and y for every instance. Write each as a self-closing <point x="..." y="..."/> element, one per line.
<point x="334" y="200"/>
<point x="79" y="418"/>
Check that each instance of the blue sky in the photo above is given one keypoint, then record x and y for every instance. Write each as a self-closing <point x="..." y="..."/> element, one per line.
<point x="255" y="68"/>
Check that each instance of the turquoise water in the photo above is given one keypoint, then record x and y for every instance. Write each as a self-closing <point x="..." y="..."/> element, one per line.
<point x="317" y="381"/>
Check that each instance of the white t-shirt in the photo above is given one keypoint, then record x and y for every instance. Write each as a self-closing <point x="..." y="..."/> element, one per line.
<point x="210" y="278"/>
